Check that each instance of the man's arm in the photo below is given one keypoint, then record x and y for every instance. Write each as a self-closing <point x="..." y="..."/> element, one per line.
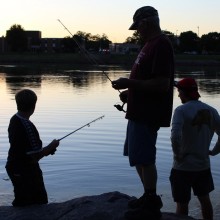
<point x="158" y="84"/>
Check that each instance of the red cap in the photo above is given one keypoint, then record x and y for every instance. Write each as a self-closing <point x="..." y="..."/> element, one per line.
<point x="189" y="87"/>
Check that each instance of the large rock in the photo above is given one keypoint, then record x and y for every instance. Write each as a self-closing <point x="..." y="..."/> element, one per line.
<point x="107" y="206"/>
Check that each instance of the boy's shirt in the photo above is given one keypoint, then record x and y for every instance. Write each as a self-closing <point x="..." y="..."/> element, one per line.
<point x="24" y="140"/>
<point x="193" y="127"/>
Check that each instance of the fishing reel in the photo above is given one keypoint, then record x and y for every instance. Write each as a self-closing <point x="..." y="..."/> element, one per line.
<point x="120" y="107"/>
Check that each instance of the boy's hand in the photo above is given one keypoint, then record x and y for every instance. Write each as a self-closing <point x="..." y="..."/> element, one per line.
<point x="51" y="148"/>
<point x="53" y="152"/>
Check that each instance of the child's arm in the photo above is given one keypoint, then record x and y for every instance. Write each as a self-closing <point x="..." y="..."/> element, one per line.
<point x="49" y="149"/>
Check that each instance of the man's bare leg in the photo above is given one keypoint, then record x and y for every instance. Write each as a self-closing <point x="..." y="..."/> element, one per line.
<point x="206" y="206"/>
<point x="148" y="176"/>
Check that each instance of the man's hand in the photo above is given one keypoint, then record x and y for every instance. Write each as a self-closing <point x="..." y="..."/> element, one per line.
<point x="124" y="96"/>
<point x="121" y="83"/>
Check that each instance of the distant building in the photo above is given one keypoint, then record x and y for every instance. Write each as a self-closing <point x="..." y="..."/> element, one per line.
<point x="34" y="40"/>
<point x="35" y="43"/>
<point x="51" y="45"/>
<point x="2" y="44"/>
<point x="123" y="48"/>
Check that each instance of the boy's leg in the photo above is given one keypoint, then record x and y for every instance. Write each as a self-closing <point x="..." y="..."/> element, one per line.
<point x="19" y="187"/>
<point x="181" y="190"/>
<point x="28" y="186"/>
<point x="38" y="191"/>
<point x="202" y="187"/>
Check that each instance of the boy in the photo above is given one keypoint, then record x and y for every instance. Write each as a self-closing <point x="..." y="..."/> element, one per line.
<point x="193" y="126"/>
<point x="25" y="152"/>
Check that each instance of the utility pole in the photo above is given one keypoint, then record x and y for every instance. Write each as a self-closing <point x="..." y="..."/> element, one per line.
<point x="198" y="31"/>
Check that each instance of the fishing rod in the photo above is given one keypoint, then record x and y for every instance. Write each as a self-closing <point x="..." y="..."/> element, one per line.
<point x="88" y="124"/>
<point x="91" y="60"/>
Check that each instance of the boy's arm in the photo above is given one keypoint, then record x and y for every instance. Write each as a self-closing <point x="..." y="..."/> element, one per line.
<point x="176" y="133"/>
<point x="49" y="149"/>
<point x="216" y="148"/>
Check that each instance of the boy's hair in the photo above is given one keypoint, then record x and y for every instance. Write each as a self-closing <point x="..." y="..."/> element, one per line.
<point x="25" y="100"/>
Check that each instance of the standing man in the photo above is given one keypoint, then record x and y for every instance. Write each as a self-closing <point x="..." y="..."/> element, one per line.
<point x="149" y="98"/>
<point x="193" y="126"/>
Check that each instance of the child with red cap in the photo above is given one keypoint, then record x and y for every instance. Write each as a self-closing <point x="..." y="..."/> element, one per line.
<point x="193" y="126"/>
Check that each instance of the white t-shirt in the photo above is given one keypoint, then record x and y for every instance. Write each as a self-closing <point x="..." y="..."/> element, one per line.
<point x="193" y="127"/>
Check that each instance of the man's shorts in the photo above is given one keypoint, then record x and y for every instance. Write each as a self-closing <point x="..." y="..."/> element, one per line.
<point x="140" y="143"/>
<point x="183" y="181"/>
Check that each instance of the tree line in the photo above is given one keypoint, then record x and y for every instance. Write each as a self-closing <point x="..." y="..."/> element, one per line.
<point x="186" y="42"/>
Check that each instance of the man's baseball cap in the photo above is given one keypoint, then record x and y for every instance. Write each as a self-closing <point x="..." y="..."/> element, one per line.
<point x="142" y="13"/>
<point x="189" y="87"/>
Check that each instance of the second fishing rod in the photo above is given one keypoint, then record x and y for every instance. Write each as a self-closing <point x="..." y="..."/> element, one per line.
<point x="92" y="61"/>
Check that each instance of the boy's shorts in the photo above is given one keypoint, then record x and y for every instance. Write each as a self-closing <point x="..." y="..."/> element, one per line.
<point x="140" y="143"/>
<point x="183" y="181"/>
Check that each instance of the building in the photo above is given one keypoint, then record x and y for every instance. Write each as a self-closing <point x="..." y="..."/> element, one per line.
<point x="123" y="48"/>
<point x="2" y="44"/>
<point x="34" y="40"/>
<point x="51" y="45"/>
<point x="35" y="43"/>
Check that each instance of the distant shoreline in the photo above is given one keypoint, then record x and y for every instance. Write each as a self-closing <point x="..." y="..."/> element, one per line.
<point x="100" y="59"/>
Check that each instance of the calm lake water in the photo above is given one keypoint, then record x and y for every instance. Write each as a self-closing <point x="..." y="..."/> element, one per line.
<point x="90" y="161"/>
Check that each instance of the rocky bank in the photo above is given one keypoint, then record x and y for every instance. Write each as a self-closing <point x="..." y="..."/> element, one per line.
<point x="107" y="206"/>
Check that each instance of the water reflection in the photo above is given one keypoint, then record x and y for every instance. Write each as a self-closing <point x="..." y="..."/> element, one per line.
<point x="19" y="77"/>
<point x="15" y="82"/>
<point x="206" y="77"/>
<point x="90" y="161"/>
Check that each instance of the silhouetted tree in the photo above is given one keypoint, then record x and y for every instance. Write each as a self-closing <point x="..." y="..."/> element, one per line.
<point x="91" y="42"/>
<point x="104" y="42"/>
<point x="210" y="42"/>
<point x="69" y="45"/>
<point x="80" y="39"/>
<point x="135" y="39"/>
<point x="189" y="42"/>
<point x="173" y="39"/>
<point x="16" y="38"/>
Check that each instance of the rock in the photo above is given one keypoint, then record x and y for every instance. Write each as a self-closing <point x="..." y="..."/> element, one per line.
<point x="107" y="206"/>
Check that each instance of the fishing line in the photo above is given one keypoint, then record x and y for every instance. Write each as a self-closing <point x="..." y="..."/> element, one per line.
<point x="91" y="60"/>
<point x="88" y="124"/>
<point x="85" y="52"/>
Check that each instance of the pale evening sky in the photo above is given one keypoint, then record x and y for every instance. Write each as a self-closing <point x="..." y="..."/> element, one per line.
<point x="112" y="17"/>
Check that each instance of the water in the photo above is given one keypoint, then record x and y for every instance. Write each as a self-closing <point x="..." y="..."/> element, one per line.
<point x="90" y="161"/>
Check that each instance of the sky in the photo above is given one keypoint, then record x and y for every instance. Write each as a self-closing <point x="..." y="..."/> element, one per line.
<point x="110" y="17"/>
